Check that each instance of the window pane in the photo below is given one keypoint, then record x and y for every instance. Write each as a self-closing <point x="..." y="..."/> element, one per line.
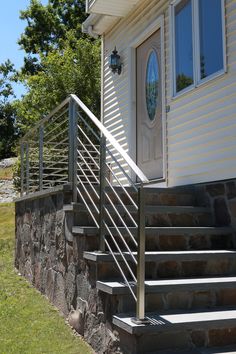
<point x="211" y="44"/>
<point x="183" y="45"/>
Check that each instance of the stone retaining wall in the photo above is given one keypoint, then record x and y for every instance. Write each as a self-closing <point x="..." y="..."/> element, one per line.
<point x="52" y="260"/>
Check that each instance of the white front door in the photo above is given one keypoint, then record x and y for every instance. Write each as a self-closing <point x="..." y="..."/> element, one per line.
<point x="149" y="107"/>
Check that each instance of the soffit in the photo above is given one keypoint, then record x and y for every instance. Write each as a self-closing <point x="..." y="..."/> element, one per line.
<point x="117" y="8"/>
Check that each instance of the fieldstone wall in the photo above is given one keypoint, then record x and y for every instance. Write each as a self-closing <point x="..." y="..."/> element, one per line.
<point x="51" y="258"/>
<point x="222" y="198"/>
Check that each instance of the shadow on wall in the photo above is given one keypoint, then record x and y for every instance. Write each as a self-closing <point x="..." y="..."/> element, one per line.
<point x="116" y="114"/>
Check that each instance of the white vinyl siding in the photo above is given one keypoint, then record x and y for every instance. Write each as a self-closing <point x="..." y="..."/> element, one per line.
<point x="200" y="124"/>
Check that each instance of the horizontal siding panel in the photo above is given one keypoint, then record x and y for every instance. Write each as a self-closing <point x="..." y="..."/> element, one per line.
<point x="202" y="150"/>
<point x="202" y="139"/>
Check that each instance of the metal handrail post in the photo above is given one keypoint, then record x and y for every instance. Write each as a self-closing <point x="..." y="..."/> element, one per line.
<point x="140" y="310"/>
<point x="102" y="193"/>
<point x="75" y="153"/>
<point x="22" y="172"/>
<point x="41" y="134"/>
<point x="27" y="167"/>
<point x="71" y="141"/>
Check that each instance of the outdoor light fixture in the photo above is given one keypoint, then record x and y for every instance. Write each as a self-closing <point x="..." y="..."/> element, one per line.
<point x="114" y="62"/>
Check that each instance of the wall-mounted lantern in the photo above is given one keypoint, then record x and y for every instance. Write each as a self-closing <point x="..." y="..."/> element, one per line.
<point x="115" y="62"/>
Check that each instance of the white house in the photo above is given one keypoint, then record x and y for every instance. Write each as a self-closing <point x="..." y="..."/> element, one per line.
<point x="173" y="107"/>
<point x="145" y="268"/>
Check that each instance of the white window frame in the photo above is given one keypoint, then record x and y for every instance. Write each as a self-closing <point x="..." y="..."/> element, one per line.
<point x="197" y="81"/>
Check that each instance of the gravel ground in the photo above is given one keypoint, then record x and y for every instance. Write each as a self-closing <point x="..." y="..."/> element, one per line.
<point x="7" y="191"/>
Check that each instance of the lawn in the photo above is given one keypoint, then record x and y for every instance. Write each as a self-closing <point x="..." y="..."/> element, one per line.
<point x="28" y="323"/>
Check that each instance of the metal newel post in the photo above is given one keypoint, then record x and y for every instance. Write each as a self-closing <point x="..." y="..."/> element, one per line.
<point x="27" y="167"/>
<point x="140" y="311"/>
<point x="71" y="141"/>
<point x="41" y="134"/>
<point x="102" y="192"/>
<point x="73" y="146"/>
<point x="75" y="152"/>
<point x="22" y="172"/>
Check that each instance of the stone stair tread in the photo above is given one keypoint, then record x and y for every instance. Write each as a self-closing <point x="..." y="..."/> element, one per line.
<point x="187" y="189"/>
<point x="163" y="209"/>
<point x="222" y="350"/>
<point x="160" y="286"/>
<point x="218" y="350"/>
<point x="154" y="256"/>
<point x="176" y="321"/>
<point x="174" y="230"/>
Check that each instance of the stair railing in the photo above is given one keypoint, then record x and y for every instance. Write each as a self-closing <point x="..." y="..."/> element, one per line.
<point x="44" y="152"/>
<point x="82" y="151"/>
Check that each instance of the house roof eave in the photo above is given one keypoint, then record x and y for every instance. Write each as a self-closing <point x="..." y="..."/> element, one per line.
<point x="97" y="24"/>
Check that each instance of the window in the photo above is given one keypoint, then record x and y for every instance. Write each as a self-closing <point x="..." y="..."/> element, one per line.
<point x="198" y="42"/>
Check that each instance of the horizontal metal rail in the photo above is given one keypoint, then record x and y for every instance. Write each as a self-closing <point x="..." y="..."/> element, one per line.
<point x="71" y="145"/>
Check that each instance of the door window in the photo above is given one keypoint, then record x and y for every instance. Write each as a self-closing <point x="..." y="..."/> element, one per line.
<point x="152" y="80"/>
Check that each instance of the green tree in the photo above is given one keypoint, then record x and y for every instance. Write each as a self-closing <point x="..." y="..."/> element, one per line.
<point x="74" y="69"/>
<point x="59" y="60"/>
<point x="47" y="26"/>
<point x="8" y="133"/>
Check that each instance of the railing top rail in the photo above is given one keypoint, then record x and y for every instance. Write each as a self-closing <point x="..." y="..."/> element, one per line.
<point x="112" y="140"/>
<point x="101" y="128"/>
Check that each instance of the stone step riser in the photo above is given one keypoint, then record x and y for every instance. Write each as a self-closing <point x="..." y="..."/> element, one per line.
<point x="151" y="198"/>
<point x="179" y="340"/>
<point x="186" y="300"/>
<point x="186" y="219"/>
<point x="163" y="242"/>
<point x="174" y="269"/>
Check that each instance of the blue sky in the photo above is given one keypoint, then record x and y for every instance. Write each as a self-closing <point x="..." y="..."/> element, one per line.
<point x="10" y="28"/>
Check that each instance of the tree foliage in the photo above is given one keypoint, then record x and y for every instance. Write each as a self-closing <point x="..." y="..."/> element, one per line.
<point x="8" y="131"/>
<point x="67" y="61"/>
<point x="59" y="60"/>
<point x="71" y="70"/>
<point x="47" y="26"/>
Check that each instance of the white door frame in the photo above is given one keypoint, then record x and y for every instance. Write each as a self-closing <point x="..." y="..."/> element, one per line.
<point x="155" y="26"/>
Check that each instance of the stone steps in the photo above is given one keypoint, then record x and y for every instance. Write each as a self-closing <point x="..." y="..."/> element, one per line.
<point x="190" y="273"/>
<point x="169" y="238"/>
<point x="181" y="330"/>
<point x="154" y="215"/>
<point x="181" y="294"/>
<point x="173" y="285"/>
<point x="165" y="256"/>
<point x="153" y="196"/>
<point x="166" y="231"/>
<point x="170" y="264"/>
<point x="222" y="350"/>
<point x="177" y="320"/>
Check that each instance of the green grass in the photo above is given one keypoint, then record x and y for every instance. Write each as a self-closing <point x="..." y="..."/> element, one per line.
<point x="28" y="323"/>
<point x="6" y="173"/>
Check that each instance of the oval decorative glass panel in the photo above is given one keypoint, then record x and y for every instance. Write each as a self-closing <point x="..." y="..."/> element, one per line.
<point x="152" y="77"/>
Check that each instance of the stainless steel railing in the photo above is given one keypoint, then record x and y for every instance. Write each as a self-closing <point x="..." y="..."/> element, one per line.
<point x="89" y="4"/>
<point x="72" y="145"/>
